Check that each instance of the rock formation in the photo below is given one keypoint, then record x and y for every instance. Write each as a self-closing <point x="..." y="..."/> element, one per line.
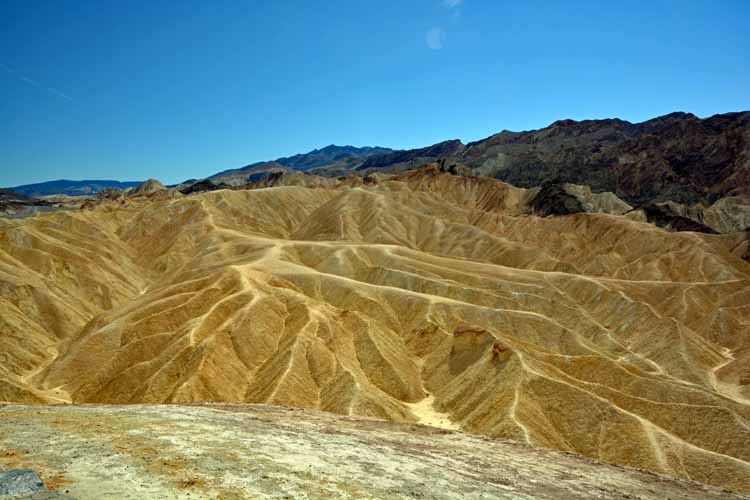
<point x="147" y="188"/>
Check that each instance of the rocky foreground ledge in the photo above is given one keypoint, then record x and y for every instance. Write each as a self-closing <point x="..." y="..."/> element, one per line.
<point x="264" y="452"/>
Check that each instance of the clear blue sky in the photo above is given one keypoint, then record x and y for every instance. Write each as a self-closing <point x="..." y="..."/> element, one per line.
<point x="181" y="89"/>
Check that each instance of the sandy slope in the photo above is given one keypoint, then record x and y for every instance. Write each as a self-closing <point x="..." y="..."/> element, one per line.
<point x="428" y="297"/>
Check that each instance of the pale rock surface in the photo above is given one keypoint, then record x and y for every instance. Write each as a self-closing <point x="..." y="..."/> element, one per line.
<point x="263" y="452"/>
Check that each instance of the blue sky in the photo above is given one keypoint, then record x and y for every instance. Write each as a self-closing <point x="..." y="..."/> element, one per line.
<point x="174" y="90"/>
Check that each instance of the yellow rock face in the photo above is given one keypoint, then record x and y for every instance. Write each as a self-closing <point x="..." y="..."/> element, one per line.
<point x="421" y="298"/>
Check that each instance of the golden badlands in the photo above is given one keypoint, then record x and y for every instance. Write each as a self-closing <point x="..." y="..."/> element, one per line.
<point x="421" y="298"/>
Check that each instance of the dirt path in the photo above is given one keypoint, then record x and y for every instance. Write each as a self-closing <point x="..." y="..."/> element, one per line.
<point x="54" y="395"/>
<point x="427" y="414"/>
<point x="730" y="391"/>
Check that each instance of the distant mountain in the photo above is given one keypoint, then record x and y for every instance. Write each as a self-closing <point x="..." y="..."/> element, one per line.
<point x="677" y="157"/>
<point x="342" y="158"/>
<point x="414" y="158"/>
<point x="250" y="173"/>
<point x="330" y="154"/>
<point x="71" y="188"/>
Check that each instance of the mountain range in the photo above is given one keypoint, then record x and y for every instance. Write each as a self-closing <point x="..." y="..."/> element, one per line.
<point x="677" y="157"/>
<point x="340" y="157"/>
<point x="71" y="188"/>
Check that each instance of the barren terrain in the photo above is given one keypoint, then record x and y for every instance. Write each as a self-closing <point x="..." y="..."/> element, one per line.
<point x="426" y="298"/>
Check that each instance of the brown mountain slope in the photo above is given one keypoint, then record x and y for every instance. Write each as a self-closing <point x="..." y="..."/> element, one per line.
<point x="426" y="298"/>
<point x="677" y="157"/>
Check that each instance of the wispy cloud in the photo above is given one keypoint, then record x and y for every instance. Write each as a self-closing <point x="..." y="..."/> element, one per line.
<point x="34" y="83"/>
<point x="435" y="38"/>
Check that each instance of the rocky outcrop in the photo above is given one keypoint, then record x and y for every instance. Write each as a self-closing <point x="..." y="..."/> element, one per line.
<point x="251" y="173"/>
<point x="291" y="178"/>
<point x="666" y="216"/>
<point x="565" y="199"/>
<point x="553" y="199"/>
<point x="728" y="215"/>
<point x="203" y="186"/>
<point x="147" y="188"/>
<point x="18" y="481"/>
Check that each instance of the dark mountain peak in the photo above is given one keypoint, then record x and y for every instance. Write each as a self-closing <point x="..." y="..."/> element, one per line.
<point x="565" y="122"/>
<point x="568" y="124"/>
<point x="728" y="120"/>
<point x="332" y="156"/>
<point x="333" y="148"/>
<point x="413" y="158"/>
<point x="676" y="115"/>
<point x="328" y="155"/>
<point x="330" y="149"/>
<point x="677" y="157"/>
<point x="676" y="119"/>
<point x="585" y="127"/>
